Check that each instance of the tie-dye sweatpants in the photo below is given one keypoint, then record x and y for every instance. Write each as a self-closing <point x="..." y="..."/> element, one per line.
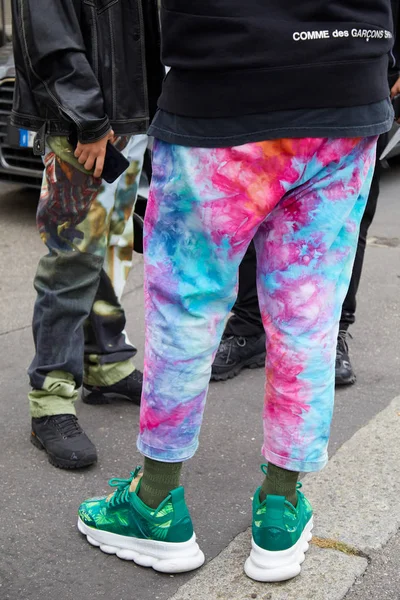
<point x="78" y="321"/>
<point x="301" y="200"/>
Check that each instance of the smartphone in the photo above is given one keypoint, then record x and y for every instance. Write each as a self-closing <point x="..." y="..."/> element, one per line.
<point x="115" y="162"/>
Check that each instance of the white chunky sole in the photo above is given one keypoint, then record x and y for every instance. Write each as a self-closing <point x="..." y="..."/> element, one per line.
<point x="166" y="557"/>
<point x="264" y="565"/>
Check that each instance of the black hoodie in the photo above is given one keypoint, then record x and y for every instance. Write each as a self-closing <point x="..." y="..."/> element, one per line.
<point x="235" y="57"/>
<point x="395" y="55"/>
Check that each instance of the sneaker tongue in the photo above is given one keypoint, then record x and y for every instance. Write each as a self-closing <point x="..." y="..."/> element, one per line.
<point x="134" y="485"/>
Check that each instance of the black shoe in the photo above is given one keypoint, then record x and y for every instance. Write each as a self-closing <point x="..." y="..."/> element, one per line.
<point x="235" y="353"/>
<point x="66" y="444"/>
<point x="129" y="388"/>
<point x="344" y="374"/>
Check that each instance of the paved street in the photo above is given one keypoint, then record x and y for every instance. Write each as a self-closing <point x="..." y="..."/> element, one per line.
<point x="42" y="556"/>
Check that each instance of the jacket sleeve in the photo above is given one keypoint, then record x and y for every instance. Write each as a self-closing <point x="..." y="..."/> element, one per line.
<point x="55" y="56"/>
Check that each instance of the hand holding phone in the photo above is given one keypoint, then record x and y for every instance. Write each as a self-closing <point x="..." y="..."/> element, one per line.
<point x="101" y="157"/>
<point x="92" y="155"/>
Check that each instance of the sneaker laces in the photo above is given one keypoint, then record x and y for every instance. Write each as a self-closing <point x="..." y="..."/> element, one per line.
<point x="342" y="345"/>
<point x="68" y="425"/>
<point x="226" y="340"/>
<point x="121" y="494"/>
<point x="230" y="340"/>
<point x="137" y="375"/>
<point x="226" y="345"/>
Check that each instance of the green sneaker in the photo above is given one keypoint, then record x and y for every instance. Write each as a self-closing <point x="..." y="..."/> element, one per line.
<point x="122" y="524"/>
<point x="281" y="534"/>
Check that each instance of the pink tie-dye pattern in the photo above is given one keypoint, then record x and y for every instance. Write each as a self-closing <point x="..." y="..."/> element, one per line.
<point x="301" y="201"/>
<point x="153" y="418"/>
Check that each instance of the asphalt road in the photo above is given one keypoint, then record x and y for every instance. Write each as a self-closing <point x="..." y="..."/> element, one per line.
<point x="42" y="556"/>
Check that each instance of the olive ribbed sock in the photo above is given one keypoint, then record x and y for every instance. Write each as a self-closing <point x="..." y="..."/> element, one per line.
<point x="280" y="482"/>
<point x="159" y="478"/>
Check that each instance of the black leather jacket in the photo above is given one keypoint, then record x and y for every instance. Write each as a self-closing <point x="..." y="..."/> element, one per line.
<point x="86" y="64"/>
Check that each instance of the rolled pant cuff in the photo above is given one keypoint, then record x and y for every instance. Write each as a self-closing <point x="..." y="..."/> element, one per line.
<point x="168" y="455"/>
<point x="305" y="466"/>
<point x="108" y="373"/>
<point x="50" y="405"/>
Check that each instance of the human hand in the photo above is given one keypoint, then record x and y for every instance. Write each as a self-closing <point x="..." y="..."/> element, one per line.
<point x="395" y="91"/>
<point x="92" y="155"/>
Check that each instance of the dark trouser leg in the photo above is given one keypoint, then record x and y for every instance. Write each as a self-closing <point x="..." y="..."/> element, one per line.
<point x="108" y="352"/>
<point x="66" y="284"/>
<point x="246" y="319"/>
<point x="349" y="305"/>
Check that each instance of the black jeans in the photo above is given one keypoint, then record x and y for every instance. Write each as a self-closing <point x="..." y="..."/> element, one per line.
<point x="246" y="319"/>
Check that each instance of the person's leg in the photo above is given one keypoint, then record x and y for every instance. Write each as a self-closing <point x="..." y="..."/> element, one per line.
<point x="243" y="342"/>
<point x="344" y="373"/>
<point x="305" y="254"/>
<point x="66" y="283"/>
<point x="204" y="207"/>
<point x="109" y="370"/>
<point x="246" y="320"/>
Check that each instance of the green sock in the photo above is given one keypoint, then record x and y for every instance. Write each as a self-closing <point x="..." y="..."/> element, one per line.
<point x="280" y="482"/>
<point x="159" y="478"/>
